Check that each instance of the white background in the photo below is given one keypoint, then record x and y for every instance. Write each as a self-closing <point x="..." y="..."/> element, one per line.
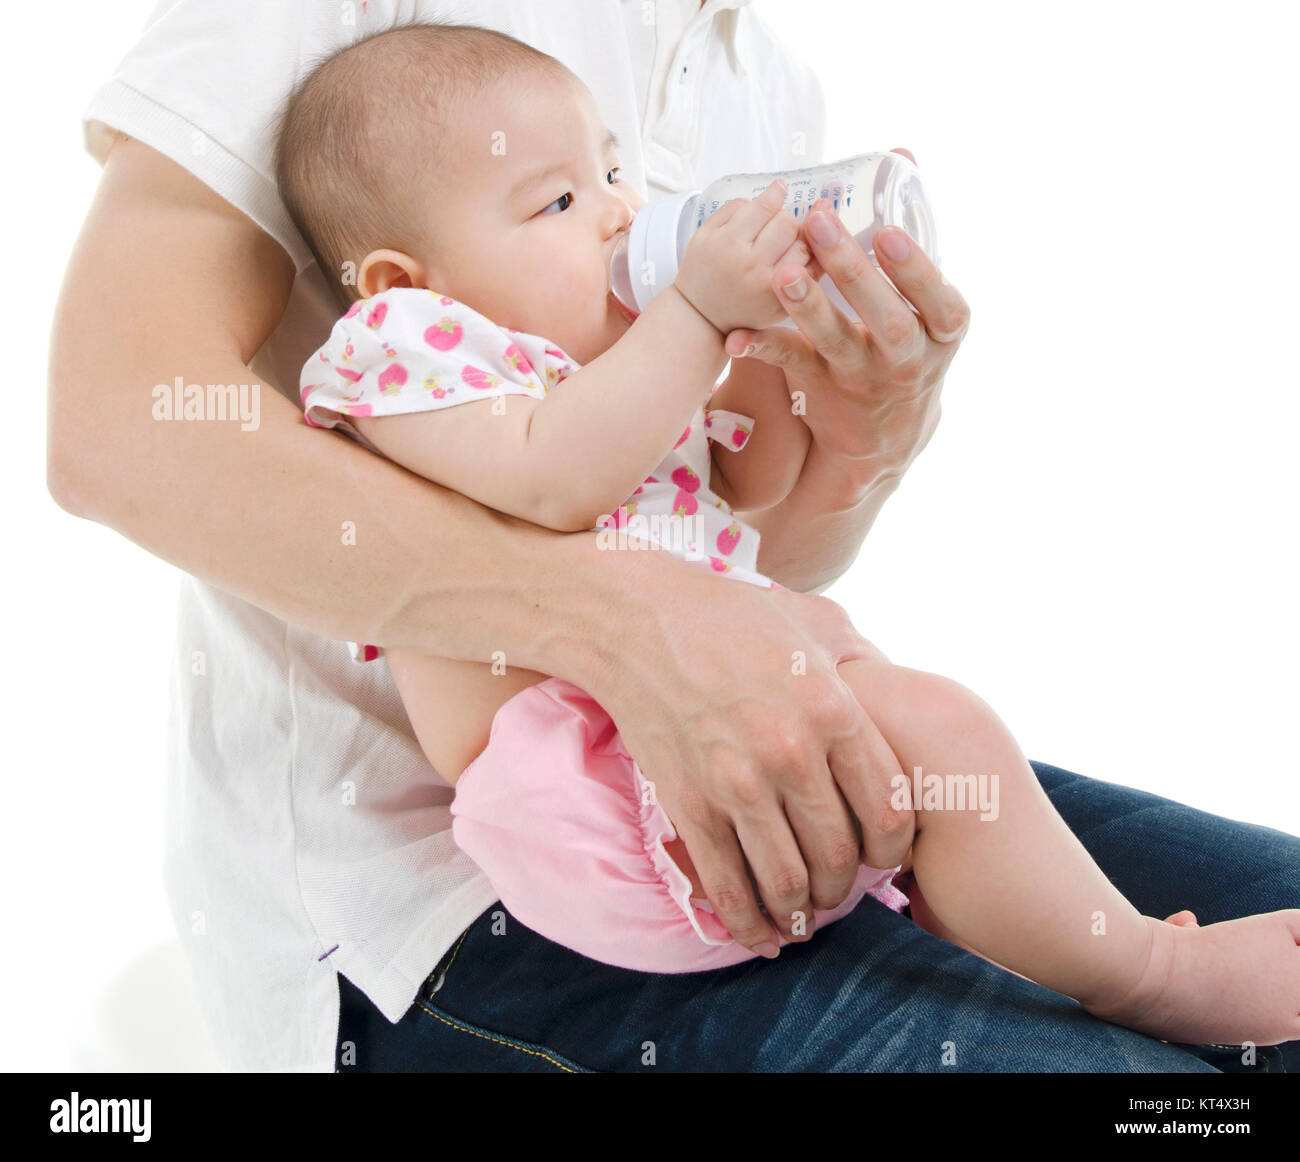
<point x="1100" y="540"/>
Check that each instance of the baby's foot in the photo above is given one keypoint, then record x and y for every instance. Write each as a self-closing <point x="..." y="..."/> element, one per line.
<point x="1225" y="983"/>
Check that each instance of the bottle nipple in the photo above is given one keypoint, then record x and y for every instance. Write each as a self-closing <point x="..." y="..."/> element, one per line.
<point x="620" y="277"/>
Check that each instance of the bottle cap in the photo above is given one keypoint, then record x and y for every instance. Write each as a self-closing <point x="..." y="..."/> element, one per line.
<point x="646" y="258"/>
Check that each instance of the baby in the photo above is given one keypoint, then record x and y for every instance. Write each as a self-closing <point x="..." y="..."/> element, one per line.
<point x="464" y="193"/>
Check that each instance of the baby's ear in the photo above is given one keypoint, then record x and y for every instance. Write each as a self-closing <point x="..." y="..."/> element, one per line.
<point x="382" y="270"/>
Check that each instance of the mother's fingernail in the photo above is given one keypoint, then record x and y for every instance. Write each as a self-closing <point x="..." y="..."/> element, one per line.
<point x="795" y="290"/>
<point x="822" y="228"/>
<point x="894" y="243"/>
<point x="770" y="951"/>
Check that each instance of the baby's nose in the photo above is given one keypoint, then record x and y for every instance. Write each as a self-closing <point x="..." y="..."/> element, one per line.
<point x="618" y="215"/>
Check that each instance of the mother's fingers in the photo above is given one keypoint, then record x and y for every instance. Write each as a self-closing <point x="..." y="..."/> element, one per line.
<point x="725" y="879"/>
<point x="889" y="321"/>
<point x="829" y="840"/>
<point x="783" y="347"/>
<point x="868" y="773"/>
<point x="780" y="873"/>
<point x="939" y="304"/>
<point x="837" y="339"/>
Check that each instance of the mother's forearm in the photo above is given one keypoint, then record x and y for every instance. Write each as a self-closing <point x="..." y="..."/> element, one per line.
<point x="814" y="534"/>
<point x="169" y="281"/>
<point x="328" y="536"/>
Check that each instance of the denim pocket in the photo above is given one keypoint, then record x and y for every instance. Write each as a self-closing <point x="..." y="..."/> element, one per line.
<point x="483" y="1049"/>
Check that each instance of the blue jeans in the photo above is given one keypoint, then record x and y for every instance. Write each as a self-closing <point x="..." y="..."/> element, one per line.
<point x="870" y="993"/>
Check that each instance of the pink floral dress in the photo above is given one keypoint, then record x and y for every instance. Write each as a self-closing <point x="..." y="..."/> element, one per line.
<point x="411" y="350"/>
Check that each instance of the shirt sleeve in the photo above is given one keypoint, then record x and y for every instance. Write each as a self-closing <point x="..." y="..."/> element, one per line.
<point x="730" y="429"/>
<point x="206" y="84"/>
<point x="412" y="350"/>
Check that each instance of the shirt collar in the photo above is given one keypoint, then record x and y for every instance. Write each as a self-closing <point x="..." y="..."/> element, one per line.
<point x="726" y="15"/>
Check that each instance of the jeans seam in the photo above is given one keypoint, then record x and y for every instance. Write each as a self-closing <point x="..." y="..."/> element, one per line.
<point x="473" y="1031"/>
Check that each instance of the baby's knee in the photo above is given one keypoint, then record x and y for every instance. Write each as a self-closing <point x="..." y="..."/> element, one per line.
<point x="926" y="701"/>
<point x="937" y="726"/>
<point x="948" y="701"/>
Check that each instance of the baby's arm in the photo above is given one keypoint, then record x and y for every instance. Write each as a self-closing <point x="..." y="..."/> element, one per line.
<point x="765" y="471"/>
<point x="566" y="460"/>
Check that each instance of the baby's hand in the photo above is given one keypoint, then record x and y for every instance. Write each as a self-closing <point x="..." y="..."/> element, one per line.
<point x="726" y="272"/>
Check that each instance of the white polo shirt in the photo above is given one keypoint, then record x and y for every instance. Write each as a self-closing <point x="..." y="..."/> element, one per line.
<point x="307" y="834"/>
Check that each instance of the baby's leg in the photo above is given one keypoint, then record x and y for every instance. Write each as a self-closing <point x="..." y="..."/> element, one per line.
<point x="1000" y="873"/>
<point x="451" y="704"/>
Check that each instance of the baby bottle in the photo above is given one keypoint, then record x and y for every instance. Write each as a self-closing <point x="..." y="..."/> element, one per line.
<point x="867" y="192"/>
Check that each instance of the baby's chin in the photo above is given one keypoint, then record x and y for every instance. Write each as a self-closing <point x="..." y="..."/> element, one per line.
<point x="586" y="339"/>
<point x="620" y="318"/>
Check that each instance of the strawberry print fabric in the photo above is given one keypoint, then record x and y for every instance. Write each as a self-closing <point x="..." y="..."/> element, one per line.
<point x="410" y="350"/>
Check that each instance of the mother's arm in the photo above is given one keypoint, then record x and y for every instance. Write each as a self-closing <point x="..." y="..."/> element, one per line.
<point x="167" y="279"/>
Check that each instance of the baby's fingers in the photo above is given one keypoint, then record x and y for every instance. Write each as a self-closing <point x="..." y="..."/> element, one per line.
<point x="797" y="255"/>
<point x="723" y="214"/>
<point x="780" y="240"/>
<point x="753" y="216"/>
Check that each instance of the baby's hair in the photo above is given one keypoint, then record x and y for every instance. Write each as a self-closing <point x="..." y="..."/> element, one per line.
<point x="353" y="113"/>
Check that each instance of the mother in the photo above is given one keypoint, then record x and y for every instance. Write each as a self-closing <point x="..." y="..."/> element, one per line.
<point x="329" y="918"/>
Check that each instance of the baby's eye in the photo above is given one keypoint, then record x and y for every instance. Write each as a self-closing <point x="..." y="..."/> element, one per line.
<point x="612" y="178"/>
<point x="564" y="201"/>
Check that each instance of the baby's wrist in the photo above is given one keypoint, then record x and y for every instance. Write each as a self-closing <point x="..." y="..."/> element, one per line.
<point x="681" y="294"/>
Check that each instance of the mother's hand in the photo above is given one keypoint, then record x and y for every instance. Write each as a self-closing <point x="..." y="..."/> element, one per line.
<point x="729" y="698"/>
<point x="871" y="388"/>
